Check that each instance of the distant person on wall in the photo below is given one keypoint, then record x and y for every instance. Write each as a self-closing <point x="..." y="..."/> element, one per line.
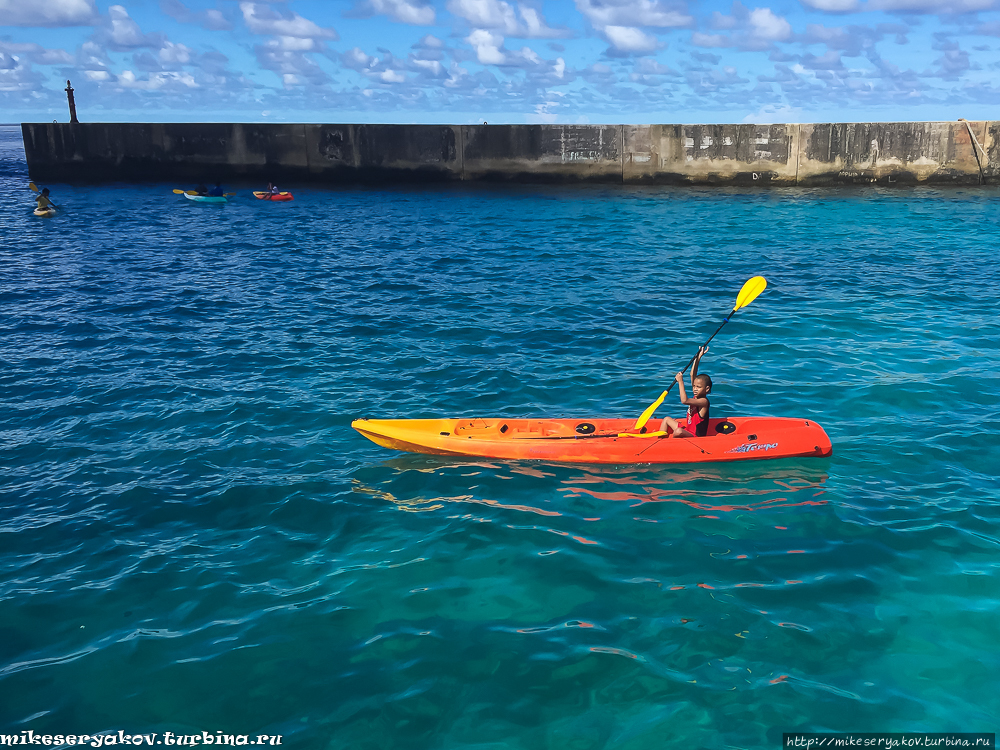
<point x="43" y="200"/>
<point x="216" y="191"/>
<point x="201" y="189"/>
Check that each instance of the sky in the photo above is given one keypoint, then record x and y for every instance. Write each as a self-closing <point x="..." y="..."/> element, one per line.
<point x="500" y="61"/>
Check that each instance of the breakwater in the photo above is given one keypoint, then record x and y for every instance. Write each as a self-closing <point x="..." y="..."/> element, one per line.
<point x="957" y="153"/>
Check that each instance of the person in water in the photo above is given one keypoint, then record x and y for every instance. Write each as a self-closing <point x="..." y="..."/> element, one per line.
<point x="43" y="200"/>
<point x="698" y="405"/>
<point x="216" y="191"/>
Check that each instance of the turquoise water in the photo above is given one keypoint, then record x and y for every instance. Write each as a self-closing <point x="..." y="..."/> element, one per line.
<point x="192" y="538"/>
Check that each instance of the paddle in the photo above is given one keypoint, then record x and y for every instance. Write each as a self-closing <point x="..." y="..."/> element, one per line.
<point x="747" y="294"/>
<point x="195" y="192"/>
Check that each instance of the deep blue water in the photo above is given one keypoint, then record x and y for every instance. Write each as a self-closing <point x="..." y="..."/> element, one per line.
<point x="192" y="538"/>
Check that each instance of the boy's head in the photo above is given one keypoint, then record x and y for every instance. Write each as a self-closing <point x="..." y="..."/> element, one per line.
<point x="702" y="386"/>
<point x="45" y="191"/>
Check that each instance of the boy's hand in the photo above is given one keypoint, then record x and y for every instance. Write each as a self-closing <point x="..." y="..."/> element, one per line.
<point x="679" y="377"/>
<point x="701" y="351"/>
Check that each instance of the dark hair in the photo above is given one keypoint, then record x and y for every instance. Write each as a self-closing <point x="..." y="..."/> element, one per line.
<point x="45" y="191"/>
<point x="706" y="378"/>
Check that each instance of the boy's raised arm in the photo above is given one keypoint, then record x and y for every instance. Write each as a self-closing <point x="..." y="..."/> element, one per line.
<point x="694" y="367"/>
<point x="679" y="377"/>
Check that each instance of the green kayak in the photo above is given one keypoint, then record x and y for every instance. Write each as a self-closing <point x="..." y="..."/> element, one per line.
<point x="207" y="198"/>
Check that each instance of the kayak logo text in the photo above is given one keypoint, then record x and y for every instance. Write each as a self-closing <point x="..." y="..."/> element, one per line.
<point x="752" y="447"/>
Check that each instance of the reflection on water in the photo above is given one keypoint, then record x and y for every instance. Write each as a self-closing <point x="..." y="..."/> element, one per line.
<point x="756" y="486"/>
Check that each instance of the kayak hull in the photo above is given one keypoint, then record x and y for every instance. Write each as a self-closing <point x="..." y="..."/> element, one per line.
<point x="44" y="212"/>
<point x="279" y="197"/>
<point x="599" y="441"/>
<point x="207" y="198"/>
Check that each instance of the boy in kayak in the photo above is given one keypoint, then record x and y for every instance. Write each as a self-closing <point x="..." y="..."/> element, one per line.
<point x="698" y="405"/>
<point x="201" y="189"/>
<point x="216" y="191"/>
<point x="43" y="200"/>
<point x="272" y="188"/>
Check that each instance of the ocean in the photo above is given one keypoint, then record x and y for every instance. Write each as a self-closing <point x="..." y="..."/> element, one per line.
<point x="194" y="540"/>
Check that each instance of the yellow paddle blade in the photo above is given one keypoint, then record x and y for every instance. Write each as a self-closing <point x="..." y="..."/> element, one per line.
<point x="33" y="186"/>
<point x="749" y="292"/>
<point x="644" y="417"/>
<point x="179" y="192"/>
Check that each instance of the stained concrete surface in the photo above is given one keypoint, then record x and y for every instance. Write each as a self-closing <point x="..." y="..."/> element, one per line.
<point x="734" y="154"/>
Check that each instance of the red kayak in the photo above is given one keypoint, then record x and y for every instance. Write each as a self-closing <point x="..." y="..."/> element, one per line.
<point x="599" y="441"/>
<point x="266" y="196"/>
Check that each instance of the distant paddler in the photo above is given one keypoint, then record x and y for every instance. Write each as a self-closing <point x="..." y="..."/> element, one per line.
<point x="272" y="194"/>
<point x="45" y="205"/>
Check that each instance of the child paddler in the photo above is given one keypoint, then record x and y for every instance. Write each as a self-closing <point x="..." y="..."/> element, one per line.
<point x="43" y="200"/>
<point x="696" y="424"/>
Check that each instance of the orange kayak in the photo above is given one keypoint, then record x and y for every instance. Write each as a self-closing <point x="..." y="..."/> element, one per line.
<point x="599" y="441"/>
<point x="266" y="196"/>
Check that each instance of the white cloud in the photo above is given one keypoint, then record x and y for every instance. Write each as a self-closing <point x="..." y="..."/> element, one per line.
<point x="124" y="32"/>
<point x="392" y="76"/>
<point x="92" y="56"/>
<point x="497" y="15"/>
<point x="766" y="25"/>
<point x="602" y="13"/>
<point x="709" y="40"/>
<point x="432" y="67"/>
<point x="487" y="46"/>
<point x="97" y="75"/>
<point x="357" y="59"/>
<point x="942" y="7"/>
<point x="212" y="19"/>
<point x="486" y="14"/>
<point x="36" y="53"/>
<point x="456" y="76"/>
<point x="156" y="81"/>
<point x="628" y="39"/>
<point x="261" y="19"/>
<point x="416" y="14"/>
<point x="294" y="43"/>
<point x="756" y="29"/>
<point x="534" y="25"/>
<point x="832" y="6"/>
<point x="47" y="13"/>
<point x="774" y="113"/>
<point x="176" y="54"/>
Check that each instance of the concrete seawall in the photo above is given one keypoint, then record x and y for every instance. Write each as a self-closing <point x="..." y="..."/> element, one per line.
<point x="904" y="153"/>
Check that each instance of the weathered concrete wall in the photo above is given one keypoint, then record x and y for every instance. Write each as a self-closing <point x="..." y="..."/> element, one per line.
<point x="713" y="154"/>
<point x="810" y="154"/>
<point x="543" y="153"/>
<point x="887" y="153"/>
<point x="383" y="153"/>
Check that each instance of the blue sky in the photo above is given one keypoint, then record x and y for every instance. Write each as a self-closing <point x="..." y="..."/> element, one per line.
<point x="502" y="61"/>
